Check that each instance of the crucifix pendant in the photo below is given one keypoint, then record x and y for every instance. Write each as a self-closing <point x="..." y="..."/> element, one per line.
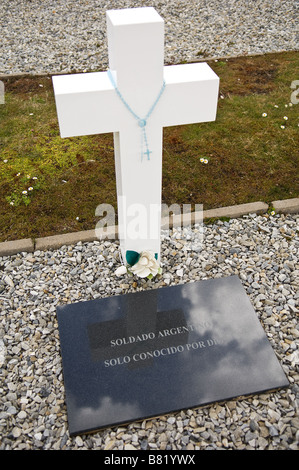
<point x="144" y="142"/>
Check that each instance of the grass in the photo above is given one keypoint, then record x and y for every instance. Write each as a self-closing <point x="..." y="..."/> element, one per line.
<point x="250" y="156"/>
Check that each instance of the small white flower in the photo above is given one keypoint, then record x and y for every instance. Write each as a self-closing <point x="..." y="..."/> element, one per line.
<point x="5" y="161"/>
<point x="283" y="127"/>
<point x="285" y="105"/>
<point x="34" y="178"/>
<point x="18" y="174"/>
<point x="147" y="265"/>
<point x="28" y="177"/>
<point x="30" y="114"/>
<point x="30" y="189"/>
<point x="12" y="203"/>
<point x="285" y="118"/>
<point x="264" y="114"/>
<point x="121" y="271"/>
<point x="290" y="104"/>
<point x="272" y="212"/>
<point x="206" y="161"/>
<point x="275" y="106"/>
<point x="202" y="160"/>
<point x="77" y="218"/>
<point x="24" y="192"/>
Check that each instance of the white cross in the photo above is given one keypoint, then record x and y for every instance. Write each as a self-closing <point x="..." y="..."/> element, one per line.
<point x="88" y="103"/>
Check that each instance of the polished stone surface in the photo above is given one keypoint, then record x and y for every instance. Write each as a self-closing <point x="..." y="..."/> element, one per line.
<point x="149" y="353"/>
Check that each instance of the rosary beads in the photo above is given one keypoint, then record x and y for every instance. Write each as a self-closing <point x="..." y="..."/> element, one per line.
<point x="142" y="122"/>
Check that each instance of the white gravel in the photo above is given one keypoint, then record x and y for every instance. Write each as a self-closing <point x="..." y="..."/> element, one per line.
<point x="262" y="250"/>
<point x="51" y="36"/>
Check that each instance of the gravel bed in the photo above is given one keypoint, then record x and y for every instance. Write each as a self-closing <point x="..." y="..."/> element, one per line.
<point x="262" y="250"/>
<point x="51" y="36"/>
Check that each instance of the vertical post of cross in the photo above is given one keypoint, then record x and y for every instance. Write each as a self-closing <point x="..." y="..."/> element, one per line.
<point x="136" y="60"/>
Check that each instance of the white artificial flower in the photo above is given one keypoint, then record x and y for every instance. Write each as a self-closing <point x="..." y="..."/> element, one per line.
<point x="121" y="270"/>
<point x="147" y="265"/>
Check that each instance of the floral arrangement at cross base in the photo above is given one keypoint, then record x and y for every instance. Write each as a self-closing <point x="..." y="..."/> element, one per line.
<point x="144" y="264"/>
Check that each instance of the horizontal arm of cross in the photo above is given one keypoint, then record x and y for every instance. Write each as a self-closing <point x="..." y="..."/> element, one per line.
<point x="87" y="103"/>
<point x="191" y="94"/>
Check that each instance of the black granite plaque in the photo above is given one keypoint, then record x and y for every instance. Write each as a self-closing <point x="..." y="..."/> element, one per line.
<point x="144" y="354"/>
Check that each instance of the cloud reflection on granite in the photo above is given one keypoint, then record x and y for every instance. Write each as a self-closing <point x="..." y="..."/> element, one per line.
<point x="87" y="418"/>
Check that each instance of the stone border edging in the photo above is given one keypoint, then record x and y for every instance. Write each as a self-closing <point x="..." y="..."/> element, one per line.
<point x="286" y="206"/>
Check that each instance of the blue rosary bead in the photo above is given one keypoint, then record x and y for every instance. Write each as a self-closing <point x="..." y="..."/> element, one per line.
<point x="142" y="122"/>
